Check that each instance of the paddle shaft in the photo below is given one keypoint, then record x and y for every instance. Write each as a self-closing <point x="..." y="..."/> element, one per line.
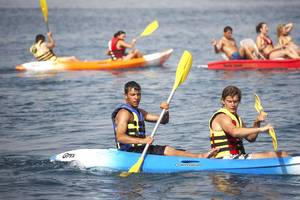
<point x="47" y="26"/>
<point x="157" y="123"/>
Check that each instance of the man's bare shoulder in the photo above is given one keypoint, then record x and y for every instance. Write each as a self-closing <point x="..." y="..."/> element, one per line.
<point x="123" y="113"/>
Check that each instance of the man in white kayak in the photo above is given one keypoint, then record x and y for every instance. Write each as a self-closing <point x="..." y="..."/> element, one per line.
<point x="227" y="130"/>
<point x="42" y="50"/>
<point x="117" y="47"/>
<point x="129" y="126"/>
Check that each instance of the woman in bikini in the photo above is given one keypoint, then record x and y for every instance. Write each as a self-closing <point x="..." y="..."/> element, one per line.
<point x="284" y="37"/>
<point x="265" y="45"/>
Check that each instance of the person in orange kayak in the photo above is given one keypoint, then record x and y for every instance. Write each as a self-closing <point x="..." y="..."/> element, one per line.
<point x="227" y="130"/>
<point x="117" y="47"/>
<point x="43" y="50"/>
<point x="228" y="46"/>
<point x="129" y="126"/>
<point x="266" y="47"/>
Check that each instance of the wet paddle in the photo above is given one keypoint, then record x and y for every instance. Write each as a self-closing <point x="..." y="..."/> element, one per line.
<point x="44" y="8"/>
<point x="182" y="72"/>
<point x="259" y="109"/>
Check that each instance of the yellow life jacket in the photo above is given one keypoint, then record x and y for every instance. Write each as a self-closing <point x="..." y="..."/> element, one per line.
<point x="135" y="128"/>
<point x="40" y="54"/>
<point x="227" y="144"/>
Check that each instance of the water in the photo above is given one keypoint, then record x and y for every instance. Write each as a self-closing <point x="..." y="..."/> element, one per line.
<point x="45" y="114"/>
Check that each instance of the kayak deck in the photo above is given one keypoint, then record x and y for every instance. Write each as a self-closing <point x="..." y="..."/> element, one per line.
<point x="122" y="161"/>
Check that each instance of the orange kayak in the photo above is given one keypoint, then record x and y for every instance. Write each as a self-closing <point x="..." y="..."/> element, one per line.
<point x="147" y="60"/>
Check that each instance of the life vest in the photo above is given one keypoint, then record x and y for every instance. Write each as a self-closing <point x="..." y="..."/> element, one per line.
<point x="114" y="51"/>
<point x="40" y="54"/>
<point x="227" y="144"/>
<point x="135" y="128"/>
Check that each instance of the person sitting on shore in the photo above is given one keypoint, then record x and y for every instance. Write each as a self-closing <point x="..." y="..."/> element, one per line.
<point x="266" y="47"/>
<point x="228" y="46"/>
<point x="285" y="40"/>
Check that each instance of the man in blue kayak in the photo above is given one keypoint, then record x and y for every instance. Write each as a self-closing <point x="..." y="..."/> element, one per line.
<point x="129" y="126"/>
<point x="227" y="130"/>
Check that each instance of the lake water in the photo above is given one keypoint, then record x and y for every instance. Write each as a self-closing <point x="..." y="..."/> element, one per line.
<point x="43" y="114"/>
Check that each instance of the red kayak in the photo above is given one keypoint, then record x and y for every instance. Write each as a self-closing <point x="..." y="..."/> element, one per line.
<point x="254" y="64"/>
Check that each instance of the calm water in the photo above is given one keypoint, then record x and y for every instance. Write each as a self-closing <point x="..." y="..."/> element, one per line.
<point x="45" y="114"/>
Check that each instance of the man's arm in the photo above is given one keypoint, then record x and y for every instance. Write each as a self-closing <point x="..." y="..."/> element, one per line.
<point x="121" y="120"/>
<point x="217" y="45"/>
<point x="225" y="123"/>
<point x="50" y="43"/>
<point x="154" y="118"/>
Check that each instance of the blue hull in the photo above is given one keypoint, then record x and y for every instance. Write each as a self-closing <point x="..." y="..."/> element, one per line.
<point x="122" y="161"/>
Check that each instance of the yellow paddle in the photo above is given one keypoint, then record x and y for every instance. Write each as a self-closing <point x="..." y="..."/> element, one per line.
<point x="182" y="72"/>
<point x="150" y="29"/>
<point x="259" y="109"/>
<point x="44" y="8"/>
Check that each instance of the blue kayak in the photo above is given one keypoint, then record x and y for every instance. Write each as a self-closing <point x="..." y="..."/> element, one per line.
<point x="114" y="159"/>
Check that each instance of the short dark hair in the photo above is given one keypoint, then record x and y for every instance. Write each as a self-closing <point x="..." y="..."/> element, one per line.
<point x="39" y="37"/>
<point x="231" y="91"/>
<point x="131" y="84"/>
<point x="227" y="28"/>
<point x="259" y="26"/>
<point x="119" y="33"/>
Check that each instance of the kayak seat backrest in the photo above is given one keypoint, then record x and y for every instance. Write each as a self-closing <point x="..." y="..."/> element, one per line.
<point x="250" y="44"/>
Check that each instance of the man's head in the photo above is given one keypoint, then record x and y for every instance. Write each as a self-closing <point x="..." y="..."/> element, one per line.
<point x="132" y="92"/>
<point x="228" y="32"/>
<point x="231" y="97"/>
<point x="40" y="37"/>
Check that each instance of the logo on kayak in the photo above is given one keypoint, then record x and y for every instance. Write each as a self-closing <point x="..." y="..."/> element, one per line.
<point x="68" y="155"/>
<point x="188" y="163"/>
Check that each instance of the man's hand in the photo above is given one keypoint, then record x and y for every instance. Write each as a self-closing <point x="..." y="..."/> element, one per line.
<point x="164" y="105"/>
<point x="261" y="116"/>
<point x="148" y="140"/>
<point x="214" y="42"/>
<point x="265" y="128"/>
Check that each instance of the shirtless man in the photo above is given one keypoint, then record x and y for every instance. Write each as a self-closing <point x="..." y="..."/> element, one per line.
<point x="228" y="46"/>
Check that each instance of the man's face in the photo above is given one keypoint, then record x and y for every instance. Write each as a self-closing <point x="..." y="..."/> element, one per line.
<point x="133" y="97"/>
<point x="228" y="34"/>
<point x="231" y="103"/>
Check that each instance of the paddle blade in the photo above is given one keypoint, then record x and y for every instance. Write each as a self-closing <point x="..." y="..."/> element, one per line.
<point x="183" y="68"/>
<point x="257" y="104"/>
<point x="134" y="169"/>
<point x="274" y="138"/>
<point x="44" y="8"/>
<point x="150" y="28"/>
